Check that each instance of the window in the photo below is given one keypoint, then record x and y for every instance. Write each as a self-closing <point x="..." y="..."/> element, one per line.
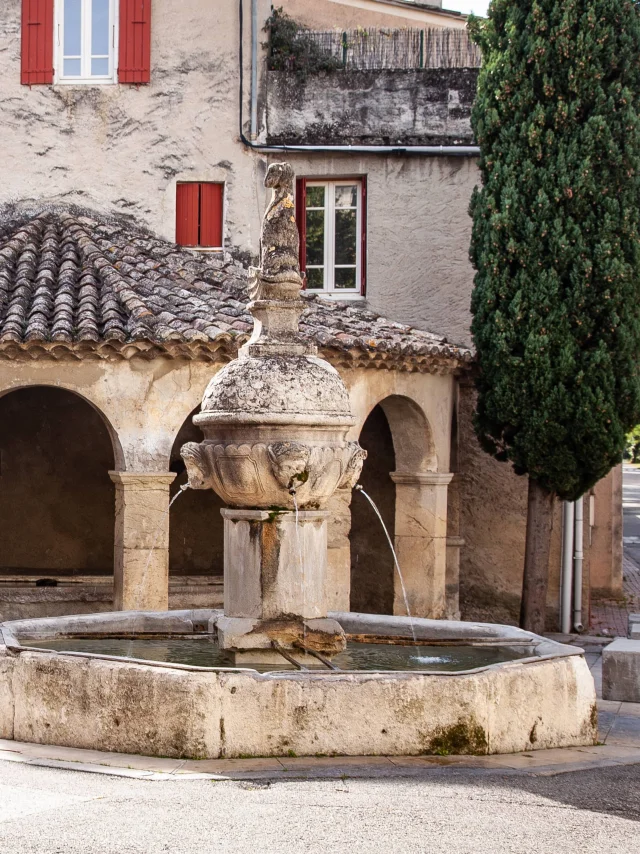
<point x="86" y="41"/>
<point x="199" y="215"/>
<point x="331" y="219"/>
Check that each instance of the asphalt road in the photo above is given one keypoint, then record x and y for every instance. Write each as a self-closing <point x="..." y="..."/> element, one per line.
<point x="441" y="810"/>
<point x="631" y="502"/>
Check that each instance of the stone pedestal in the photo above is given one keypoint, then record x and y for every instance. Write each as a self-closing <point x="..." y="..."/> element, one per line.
<point x="339" y="553"/>
<point x="141" y="561"/>
<point x="275" y="583"/>
<point x="421" y="542"/>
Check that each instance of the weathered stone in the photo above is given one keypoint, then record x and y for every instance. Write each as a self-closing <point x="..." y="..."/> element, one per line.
<point x="377" y="107"/>
<point x="621" y="671"/>
<point x="141" y="568"/>
<point x="178" y="712"/>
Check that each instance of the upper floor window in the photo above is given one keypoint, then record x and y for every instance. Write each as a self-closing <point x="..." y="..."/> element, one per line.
<point x="199" y="215"/>
<point x="86" y="41"/>
<point x="331" y="218"/>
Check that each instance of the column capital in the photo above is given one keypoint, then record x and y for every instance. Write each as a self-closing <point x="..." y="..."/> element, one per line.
<point x="421" y="478"/>
<point x="142" y="479"/>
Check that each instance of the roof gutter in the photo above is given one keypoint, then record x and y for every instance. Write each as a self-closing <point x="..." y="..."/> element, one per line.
<point x="267" y="148"/>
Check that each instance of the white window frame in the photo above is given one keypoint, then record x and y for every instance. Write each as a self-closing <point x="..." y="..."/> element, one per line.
<point x="85" y="79"/>
<point x="330" y="288"/>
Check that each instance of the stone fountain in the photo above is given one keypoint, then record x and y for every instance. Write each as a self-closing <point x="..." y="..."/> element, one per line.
<point x="275" y="423"/>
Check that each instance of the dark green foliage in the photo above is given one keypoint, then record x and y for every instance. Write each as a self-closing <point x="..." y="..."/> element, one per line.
<point x="291" y="49"/>
<point x="556" y="304"/>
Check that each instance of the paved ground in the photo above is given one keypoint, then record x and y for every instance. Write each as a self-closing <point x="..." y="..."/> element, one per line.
<point x="609" y="617"/>
<point x="581" y="799"/>
<point x="426" y="810"/>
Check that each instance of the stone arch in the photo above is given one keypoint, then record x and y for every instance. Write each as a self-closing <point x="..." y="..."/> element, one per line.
<point x="401" y="475"/>
<point x="371" y="559"/>
<point x="57" y="507"/>
<point x="118" y="451"/>
<point x="411" y="433"/>
<point x="196" y="529"/>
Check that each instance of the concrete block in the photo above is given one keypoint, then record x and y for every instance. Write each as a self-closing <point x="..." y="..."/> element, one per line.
<point x="621" y="671"/>
<point x="634" y="626"/>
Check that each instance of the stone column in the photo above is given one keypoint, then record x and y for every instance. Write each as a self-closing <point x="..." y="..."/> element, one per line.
<point x="141" y="565"/>
<point x="275" y="568"/>
<point x="454" y="544"/>
<point x="421" y="542"/>
<point x="339" y="553"/>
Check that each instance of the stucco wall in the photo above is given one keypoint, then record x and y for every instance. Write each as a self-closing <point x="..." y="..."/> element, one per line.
<point x="431" y="106"/>
<point x="493" y="518"/>
<point x="123" y="148"/>
<point x="418" y="229"/>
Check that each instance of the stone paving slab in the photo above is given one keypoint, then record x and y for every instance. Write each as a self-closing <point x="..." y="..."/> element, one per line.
<point x="624" y="749"/>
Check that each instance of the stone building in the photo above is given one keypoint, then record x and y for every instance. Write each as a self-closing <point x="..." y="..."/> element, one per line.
<point x="126" y="135"/>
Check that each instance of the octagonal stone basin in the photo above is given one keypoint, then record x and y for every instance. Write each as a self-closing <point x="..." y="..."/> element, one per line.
<point x="542" y="697"/>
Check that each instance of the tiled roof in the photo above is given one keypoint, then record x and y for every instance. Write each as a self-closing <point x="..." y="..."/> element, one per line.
<point x="73" y="284"/>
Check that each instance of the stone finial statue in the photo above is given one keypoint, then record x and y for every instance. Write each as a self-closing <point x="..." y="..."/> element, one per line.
<point x="280" y="242"/>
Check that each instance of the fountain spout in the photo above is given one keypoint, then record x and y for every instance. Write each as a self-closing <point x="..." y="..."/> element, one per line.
<point x="275" y="423"/>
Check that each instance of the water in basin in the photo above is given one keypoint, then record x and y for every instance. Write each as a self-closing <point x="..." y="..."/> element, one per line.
<point x="205" y="652"/>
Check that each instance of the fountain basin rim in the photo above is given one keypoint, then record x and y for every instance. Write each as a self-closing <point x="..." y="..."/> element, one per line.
<point x="15" y="636"/>
<point x="268" y="418"/>
<point x="286" y="674"/>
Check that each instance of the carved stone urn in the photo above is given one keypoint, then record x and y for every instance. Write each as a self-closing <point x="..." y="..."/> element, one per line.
<point x="275" y="423"/>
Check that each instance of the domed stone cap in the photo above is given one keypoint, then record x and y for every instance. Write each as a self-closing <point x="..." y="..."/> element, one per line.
<point x="277" y="390"/>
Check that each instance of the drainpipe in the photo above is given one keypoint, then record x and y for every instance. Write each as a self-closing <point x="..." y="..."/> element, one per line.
<point x="567" y="567"/>
<point x="425" y="150"/>
<point x="254" y="69"/>
<point x="577" y="567"/>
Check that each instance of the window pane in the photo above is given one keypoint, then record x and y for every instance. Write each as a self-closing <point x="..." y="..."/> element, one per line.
<point x="345" y="277"/>
<point x="315" y="237"/>
<point x="99" y="67"/>
<point x="315" y="197"/>
<point x="72" y="29"/>
<point x="347" y="197"/>
<point x="346" y="230"/>
<point x="100" y="29"/>
<point x="315" y="278"/>
<point x="72" y="68"/>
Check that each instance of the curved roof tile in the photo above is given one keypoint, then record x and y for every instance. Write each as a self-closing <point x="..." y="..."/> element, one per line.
<point x="74" y="280"/>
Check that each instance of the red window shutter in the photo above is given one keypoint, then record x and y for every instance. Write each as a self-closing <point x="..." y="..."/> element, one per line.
<point x="37" y="42"/>
<point x="211" y="203"/>
<point x="301" y="218"/>
<point x="134" y="64"/>
<point x="363" y="241"/>
<point x="188" y="214"/>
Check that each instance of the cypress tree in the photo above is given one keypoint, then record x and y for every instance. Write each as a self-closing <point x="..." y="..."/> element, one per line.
<point x="555" y="245"/>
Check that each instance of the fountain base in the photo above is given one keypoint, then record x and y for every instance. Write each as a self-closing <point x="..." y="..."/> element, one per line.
<point x="539" y="694"/>
<point x="275" y="582"/>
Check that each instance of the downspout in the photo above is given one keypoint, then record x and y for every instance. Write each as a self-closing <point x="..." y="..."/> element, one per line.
<point x="254" y="69"/>
<point x="566" y="587"/>
<point x="577" y="566"/>
<point x="425" y="150"/>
